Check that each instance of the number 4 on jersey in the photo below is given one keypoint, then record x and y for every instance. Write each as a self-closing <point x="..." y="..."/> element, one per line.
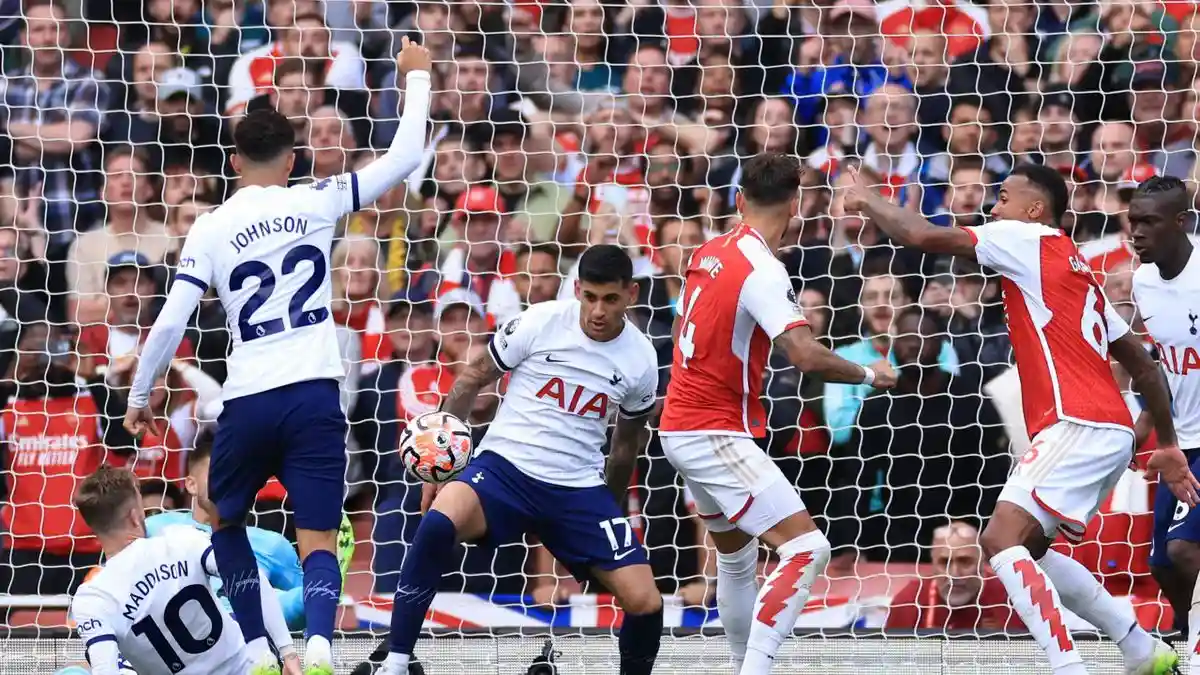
<point x="687" y="331"/>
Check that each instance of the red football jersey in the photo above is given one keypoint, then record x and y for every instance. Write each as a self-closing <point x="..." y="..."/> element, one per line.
<point x="736" y="299"/>
<point x="1060" y="323"/>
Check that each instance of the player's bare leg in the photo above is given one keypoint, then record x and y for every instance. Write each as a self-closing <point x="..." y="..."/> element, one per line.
<point x="322" y="590"/>
<point x="1041" y="582"/>
<point x="456" y="515"/>
<point x="641" y="629"/>
<point x="737" y="587"/>
<point x="803" y="553"/>
<point x="1185" y="561"/>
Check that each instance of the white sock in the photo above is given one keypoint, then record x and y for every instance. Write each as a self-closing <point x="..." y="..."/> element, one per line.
<point x="1033" y="595"/>
<point x="1193" y="642"/>
<point x="317" y="651"/>
<point x="395" y="664"/>
<point x="782" y="598"/>
<point x="737" y="587"/>
<point x="259" y="649"/>
<point x="1082" y="593"/>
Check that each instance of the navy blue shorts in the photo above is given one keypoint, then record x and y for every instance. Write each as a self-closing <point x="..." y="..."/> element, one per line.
<point x="1173" y="519"/>
<point x="582" y="528"/>
<point x="296" y="433"/>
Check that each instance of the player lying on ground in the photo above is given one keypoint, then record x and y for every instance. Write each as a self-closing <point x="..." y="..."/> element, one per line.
<point x="737" y="299"/>
<point x="275" y="554"/>
<point x="1063" y="331"/>
<point x="540" y="468"/>
<point x="152" y="603"/>
<point x="1166" y="290"/>
<point x="266" y="250"/>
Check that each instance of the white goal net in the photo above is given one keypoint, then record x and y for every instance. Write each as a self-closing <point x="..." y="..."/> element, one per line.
<point x="557" y="125"/>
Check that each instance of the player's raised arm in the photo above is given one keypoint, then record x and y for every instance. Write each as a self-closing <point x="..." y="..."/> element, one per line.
<point x="408" y="145"/>
<point x="1168" y="461"/>
<point x="191" y="283"/>
<point x="90" y="612"/>
<point x="905" y="227"/>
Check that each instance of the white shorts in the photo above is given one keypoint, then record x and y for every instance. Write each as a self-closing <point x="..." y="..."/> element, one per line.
<point x="733" y="482"/>
<point x="1067" y="472"/>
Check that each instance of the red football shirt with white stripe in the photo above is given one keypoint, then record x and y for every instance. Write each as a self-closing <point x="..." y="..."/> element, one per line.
<point x="1060" y="323"/>
<point x="737" y="298"/>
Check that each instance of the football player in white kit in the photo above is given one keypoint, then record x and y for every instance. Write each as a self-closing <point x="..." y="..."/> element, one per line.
<point x="574" y="364"/>
<point x="151" y="603"/>
<point x="266" y="251"/>
<point x="1166" y="290"/>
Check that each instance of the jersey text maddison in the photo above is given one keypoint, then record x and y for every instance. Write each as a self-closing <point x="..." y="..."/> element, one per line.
<point x="1170" y="309"/>
<point x="737" y="299"/>
<point x="564" y="388"/>
<point x="266" y="251"/>
<point x="154" y="601"/>
<point x="1060" y="323"/>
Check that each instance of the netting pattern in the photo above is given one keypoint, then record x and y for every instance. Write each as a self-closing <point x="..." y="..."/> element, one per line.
<point x="557" y="125"/>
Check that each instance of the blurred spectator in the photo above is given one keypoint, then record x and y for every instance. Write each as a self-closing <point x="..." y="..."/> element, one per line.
<point x="386" y="222"/>
<point x="968" y="187"/>
<point x="658" y="296"/>
<point x="359" y="288"/>
<point x="1059" y="124"/>
<point x="129" y="225"/>
<point x="19" y="305"/>
<point x="480" y="261"/>
<point x="882" y="300"/>
<point x="180" y="184"/>
<point x="1111" y="151"/>
<point x="52" y="109"/>
<point x="234" y="26"/>
<point x="1161" y="135"/>
<point x="978" y="328"/>
<point x="963" y="595"/>
<point x="304" y="35"/>
<point x="329" y="145"/>
<point x="537" y="278"/>
<point x="515" y="161"/>
<point x="185" y="127"/>
<point x="889" y="118"/>
<point x="461" y="321"/>
<point x="56" y="431"/>
<point x="968" y="133"/>
<point x="295" y="92"/>
<point x="466" y="94"/>
<point x="137" y="109"/>
<point x="932" y="447"/>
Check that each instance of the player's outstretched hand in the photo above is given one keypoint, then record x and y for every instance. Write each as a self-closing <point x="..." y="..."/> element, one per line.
<point x="885" y="374"/>
<point x="140" y="420"/>
<point x="412" y="57"/>
<point x="857" y="194"/>
<point x="1171" y="466"/>
<point x="428" y="492"/>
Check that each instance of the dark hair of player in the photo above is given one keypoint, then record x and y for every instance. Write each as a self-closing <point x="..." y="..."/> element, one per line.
<point x="1167" y="190"/>
<point x="1051" y="183"/>
<point x="771" y="179"/>
<point x="157" y="486"/>
<point x="605" y="264"/>
<point x="104" y="495"/>
<point x="264" y="135"/>
<point x="202" y="449"/>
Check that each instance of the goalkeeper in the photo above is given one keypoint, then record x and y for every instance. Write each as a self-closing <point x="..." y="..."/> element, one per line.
<point x="275" y="554"/>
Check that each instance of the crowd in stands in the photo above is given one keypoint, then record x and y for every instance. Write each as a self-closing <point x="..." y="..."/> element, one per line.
<point x="558" y="124"/>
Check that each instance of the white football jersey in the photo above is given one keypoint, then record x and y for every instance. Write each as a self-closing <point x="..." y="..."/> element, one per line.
<point x="564" y="389"/>
<point x="266" y="251"/>
<point x="154" y="600"/>
<point x="1170" y="309"/>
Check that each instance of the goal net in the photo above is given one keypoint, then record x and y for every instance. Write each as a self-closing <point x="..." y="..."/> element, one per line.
<point x="555" y="126"/>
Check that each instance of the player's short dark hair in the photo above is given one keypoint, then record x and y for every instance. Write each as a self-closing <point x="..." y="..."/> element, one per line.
<point x="201" y="450"/>
<point x="264" y="135"/>
<point x="771" y="178"/>
<point x="1166" y="189"/>
<point x="157" y="486"/>
<point x="102" y="496"/>
<point x="604" y="264"/>
<point x="1051" y="183"/>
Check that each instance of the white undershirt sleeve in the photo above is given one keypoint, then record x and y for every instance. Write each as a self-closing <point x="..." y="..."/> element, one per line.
<point x="163" y="340"/>
<point x="408" y="145"/>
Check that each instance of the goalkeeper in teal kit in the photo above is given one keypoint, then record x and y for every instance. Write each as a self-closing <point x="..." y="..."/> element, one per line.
<point x="275" y="554"/>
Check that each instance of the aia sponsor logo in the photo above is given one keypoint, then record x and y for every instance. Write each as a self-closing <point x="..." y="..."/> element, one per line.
<point x="574" y="399"/>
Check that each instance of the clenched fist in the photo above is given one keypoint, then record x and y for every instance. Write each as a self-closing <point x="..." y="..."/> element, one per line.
<point x="412" y="57"/>
<point x="857" y="194"/>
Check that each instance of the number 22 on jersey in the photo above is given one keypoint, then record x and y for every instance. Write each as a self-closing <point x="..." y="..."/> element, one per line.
<point x="297" y="315"/>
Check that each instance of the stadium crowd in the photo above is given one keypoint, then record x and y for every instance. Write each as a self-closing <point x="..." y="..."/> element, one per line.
<point x="559" y="125"/>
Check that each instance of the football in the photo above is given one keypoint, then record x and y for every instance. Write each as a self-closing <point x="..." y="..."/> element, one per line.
<point x="435" y="447"/>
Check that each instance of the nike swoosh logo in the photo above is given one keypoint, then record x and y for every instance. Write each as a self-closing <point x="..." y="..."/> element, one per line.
<point x="619" y="556"/>
<point x="1146" y="318"/>
<point x="1172" y="528"/>
<point x="551" y="359"/>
